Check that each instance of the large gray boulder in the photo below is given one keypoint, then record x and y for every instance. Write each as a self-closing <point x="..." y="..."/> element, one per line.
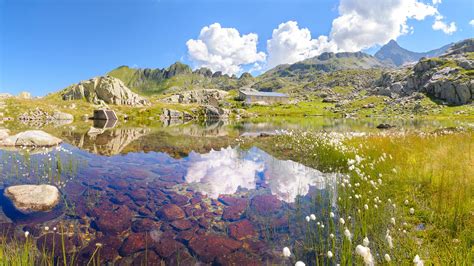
<point x="33" y="198"/>
<point x="101" y="90"/>
<point x="31" y="138"/>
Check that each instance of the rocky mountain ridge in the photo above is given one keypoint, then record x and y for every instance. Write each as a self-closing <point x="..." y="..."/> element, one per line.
<point x="398" y="56"/>
<point x="448" y="78"/>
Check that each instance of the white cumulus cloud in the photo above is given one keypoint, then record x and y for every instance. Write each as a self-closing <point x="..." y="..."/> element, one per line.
<point x="364" y="23"/>
<point x="439" y="24"/>
<point x="224" y="49"/>
<point x="290" y="44"/>
<point x="471" y="22"/>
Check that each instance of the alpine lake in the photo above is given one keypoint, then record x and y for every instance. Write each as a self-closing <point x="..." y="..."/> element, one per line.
<point x="238" y="193"/>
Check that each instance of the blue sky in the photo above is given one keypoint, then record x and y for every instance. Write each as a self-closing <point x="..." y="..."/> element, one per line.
<point x="48" y="45"/>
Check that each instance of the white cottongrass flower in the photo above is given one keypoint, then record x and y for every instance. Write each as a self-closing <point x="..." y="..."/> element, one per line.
<point x="331" y="236"/>
<point x="392" y="220"/>
<point x="330" y="254"/>
<point x="406" y="202"/>
<point x="27" y="234"/>
<point x="389" y="240"/>
<point x="299" y="263"/>
<point x="341" y="221"/>
<point x="366" y="242"/>
<point x="417" y="261"/>
<point x="347" y="233"/>
<point x="412" y="211"/>
<point x="366" y="206"/>
<point x="54" y="228"/>
<point x="331" y="214"/>
<point x="286" y="252"/>
<point x="313" y="217"/>
<point x="307" y="218"/>
<point x="364" y="252"/>
<point x="46" y="228"/>
<point x="387" y="258"/>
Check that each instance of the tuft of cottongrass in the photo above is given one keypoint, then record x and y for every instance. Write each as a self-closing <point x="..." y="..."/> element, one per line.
<point x="330" y="254"/>
<point x="307" y="219"/>
<point x="417" y="261"/>
<point x="364" y="252"/>
<point x="341" y="221"/>
<point x="299" y="263"/>
<point x="387" y="258"/>
<point x="412" y="211"/>
<point x="286" y="252"/>
<point x="366" y="242"/>
<point x="313" y="217"/>
<point x="347" y="233"/>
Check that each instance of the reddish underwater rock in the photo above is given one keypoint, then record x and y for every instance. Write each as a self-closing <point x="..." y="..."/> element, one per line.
<point x="136" y="242"/>
<point x="170" y="212"/>
<point x="266" y="204"/>
<point x="242" y="230"/>
<point x="208" y="247"/>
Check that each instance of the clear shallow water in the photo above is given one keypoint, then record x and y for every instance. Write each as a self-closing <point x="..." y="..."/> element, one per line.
<point x="182" y="194"/>
<point x="216" y="204"/>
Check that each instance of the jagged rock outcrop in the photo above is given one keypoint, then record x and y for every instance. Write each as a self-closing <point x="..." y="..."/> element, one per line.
<point x="100" y="90"/>
<point x="197" y="96"/>
<point x="447" y="78"/>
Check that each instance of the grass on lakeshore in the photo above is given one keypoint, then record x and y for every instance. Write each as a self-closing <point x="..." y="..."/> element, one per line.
<point x="387" y="176"/>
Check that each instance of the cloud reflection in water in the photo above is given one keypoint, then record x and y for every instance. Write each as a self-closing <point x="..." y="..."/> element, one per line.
<point x="224" y="171"/>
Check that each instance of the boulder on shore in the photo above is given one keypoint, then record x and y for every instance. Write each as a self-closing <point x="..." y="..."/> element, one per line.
<point x="31" y="138"/>
<point x="32" y="198"/>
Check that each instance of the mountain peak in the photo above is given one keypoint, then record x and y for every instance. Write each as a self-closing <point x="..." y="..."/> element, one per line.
<point x="392" y="52"/>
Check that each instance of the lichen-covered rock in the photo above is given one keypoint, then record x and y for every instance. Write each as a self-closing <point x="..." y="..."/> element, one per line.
<point x="101" y="90"/>
<point x="31" y="198"/>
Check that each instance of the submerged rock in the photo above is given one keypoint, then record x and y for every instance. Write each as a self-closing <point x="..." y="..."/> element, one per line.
<point x="30" y="138"/>
<point x="30" y="198"/>
<point x="170" y="212"/>
<point x="209" y="247"/>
